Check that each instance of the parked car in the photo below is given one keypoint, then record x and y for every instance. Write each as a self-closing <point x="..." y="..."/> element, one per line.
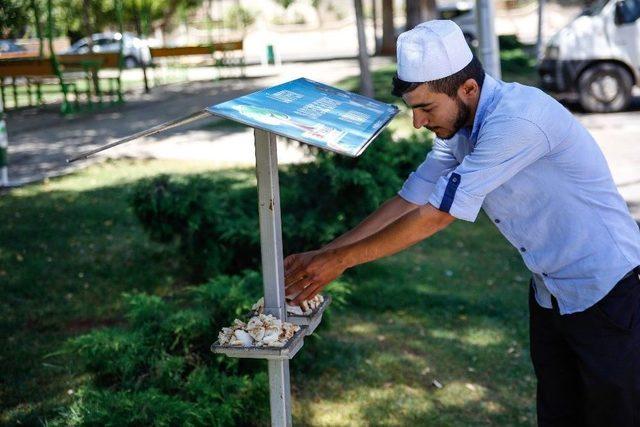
<point x="134" y="50"/>
<point x="7" y="46"/>
<point x="596" y="57"/>
<point x="462" y="13"/>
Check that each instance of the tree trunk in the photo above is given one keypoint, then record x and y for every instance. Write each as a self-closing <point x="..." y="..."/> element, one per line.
<point x="388" y="29"/>
<point x="86" y="23"/>
<point x="88" y="29"/>
<point x="419" y="12"/>
<point x="138" y="22"/>
<point x="414" y="14"/>
<point x="374" y="16"/>
<point x="429" y="10"/>
<point x="366" y="85"/>
<point x="166" y="19"/>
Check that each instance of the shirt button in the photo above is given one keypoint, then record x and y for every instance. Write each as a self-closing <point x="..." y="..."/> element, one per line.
<point x="497" y="221"/>
<point x="454" y="179"/>
<point x="523" y="249"/>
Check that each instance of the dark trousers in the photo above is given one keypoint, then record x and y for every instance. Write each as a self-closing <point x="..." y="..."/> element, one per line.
<point x="588" y="363"/>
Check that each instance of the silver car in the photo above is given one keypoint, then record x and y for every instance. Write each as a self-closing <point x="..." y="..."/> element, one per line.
<point x="134" y="50"/>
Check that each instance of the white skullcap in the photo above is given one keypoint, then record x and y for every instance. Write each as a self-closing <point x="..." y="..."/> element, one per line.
<point x="431" y="51"/>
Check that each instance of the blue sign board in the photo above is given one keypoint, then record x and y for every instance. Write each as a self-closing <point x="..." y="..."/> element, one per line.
<point x="313" y="113"/>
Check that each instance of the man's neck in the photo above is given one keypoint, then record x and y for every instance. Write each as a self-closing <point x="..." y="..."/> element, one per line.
<point x="473" y="108"/>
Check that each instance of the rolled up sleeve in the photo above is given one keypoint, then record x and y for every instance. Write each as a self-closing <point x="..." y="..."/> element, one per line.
<point x="422" y="182"/>
<point x="505" y="147"/>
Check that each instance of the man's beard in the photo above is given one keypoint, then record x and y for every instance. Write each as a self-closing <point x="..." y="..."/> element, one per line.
<point x="461" y="119"/>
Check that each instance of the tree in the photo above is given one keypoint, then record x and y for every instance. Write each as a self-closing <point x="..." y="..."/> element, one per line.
<point x="70" y="14"/>
<point x="388" y="29"/>
<point x="317" y="5"/>
<point x="15" y="16"/>
<point x="285" y="3"/>
<point x="419" y="11"/>
<point x="366" y="85"/>
<point x="374" y="18"/>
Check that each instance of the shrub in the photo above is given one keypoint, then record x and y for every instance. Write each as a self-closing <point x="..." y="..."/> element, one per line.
<point x="206" y="215"/>
<point x="215" y="220"/>
<point x="157" y="369"/>
<point x="208" y="398"/>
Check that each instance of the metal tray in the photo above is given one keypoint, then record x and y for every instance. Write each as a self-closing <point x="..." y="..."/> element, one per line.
<point x="287" y="352"/>
<point x="312" y="320"/>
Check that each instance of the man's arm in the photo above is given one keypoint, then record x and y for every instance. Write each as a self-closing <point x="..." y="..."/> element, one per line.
<point x="306" y="274"/>
<point x="388" y="212"/>
<point x="406" y="231"/>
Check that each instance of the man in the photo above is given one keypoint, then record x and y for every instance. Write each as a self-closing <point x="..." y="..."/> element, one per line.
<point x="541" y="178"/>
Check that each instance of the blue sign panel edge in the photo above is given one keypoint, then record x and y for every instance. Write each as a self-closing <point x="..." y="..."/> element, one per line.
<point x="391" y="114"/>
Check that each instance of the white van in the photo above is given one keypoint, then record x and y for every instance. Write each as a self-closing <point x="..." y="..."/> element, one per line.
<point x="596" y="56"/>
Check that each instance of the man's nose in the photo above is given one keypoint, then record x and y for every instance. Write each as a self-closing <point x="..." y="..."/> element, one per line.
<point x="419" y="120"/>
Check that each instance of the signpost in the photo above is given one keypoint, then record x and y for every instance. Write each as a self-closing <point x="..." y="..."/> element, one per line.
<point x="312" y="113"/>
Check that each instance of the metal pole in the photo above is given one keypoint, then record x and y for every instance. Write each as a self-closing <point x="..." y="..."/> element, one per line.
<point x="366" y="84"/>
<point x="489" y="51"/>
<point x="152" y="131"/>
<point x="540" y="29"/>
<point x="4" y="144"/>
<point x="272" y="267"/>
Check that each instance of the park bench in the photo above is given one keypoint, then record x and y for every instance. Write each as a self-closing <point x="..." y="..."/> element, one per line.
<point x="66" y="71"/>
<point x="224" y="54"/>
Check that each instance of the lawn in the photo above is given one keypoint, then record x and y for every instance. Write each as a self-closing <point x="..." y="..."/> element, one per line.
<point x="451" y="309"/>
<point x="436" y="335"/>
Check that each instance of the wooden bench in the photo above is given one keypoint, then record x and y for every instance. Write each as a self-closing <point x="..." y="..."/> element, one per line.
<point x="36" y="71"/>
<point x="106" y="60"/>
<point x="225" y="54"/>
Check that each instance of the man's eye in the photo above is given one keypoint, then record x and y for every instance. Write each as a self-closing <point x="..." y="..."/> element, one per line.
<point x="426" y="110"/>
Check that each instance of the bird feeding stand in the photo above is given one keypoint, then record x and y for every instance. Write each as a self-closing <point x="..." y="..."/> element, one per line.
<point x="311" y="113"/>
<point x="315" y="114"/>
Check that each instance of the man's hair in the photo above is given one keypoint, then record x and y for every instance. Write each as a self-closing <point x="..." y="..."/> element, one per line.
<point x="448" y="85"/>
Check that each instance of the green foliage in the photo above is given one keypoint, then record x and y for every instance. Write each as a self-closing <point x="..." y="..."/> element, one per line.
<point x="239" y="17"/>
<point x="15" y="15"/>
<point x="206" y="215"/>
<point x="208" y="398"/>
<point x="285" y="3"/>
<point x="509" y="42"/>
<point x="215" y="220"/>
<point x="158" y="369"/>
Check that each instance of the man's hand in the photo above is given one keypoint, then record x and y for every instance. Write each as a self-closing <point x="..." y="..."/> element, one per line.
<point x="307" y="273"/>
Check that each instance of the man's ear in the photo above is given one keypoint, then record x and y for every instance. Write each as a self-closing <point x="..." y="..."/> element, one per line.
<point x="469" y="89"/>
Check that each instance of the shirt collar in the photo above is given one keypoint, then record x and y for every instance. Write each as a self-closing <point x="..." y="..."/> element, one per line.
<point x="489" y="88"/>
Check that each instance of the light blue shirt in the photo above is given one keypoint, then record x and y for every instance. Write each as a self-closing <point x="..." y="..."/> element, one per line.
<point x="543" y="181"/>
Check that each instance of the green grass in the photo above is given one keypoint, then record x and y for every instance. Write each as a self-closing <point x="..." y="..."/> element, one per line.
<point x="68" y="249"/>
<point x="451" y="309"/>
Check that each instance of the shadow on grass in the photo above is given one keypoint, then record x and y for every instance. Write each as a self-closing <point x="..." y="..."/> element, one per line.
<point x="481" y="364"/>
<point x="451" y="309"/>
